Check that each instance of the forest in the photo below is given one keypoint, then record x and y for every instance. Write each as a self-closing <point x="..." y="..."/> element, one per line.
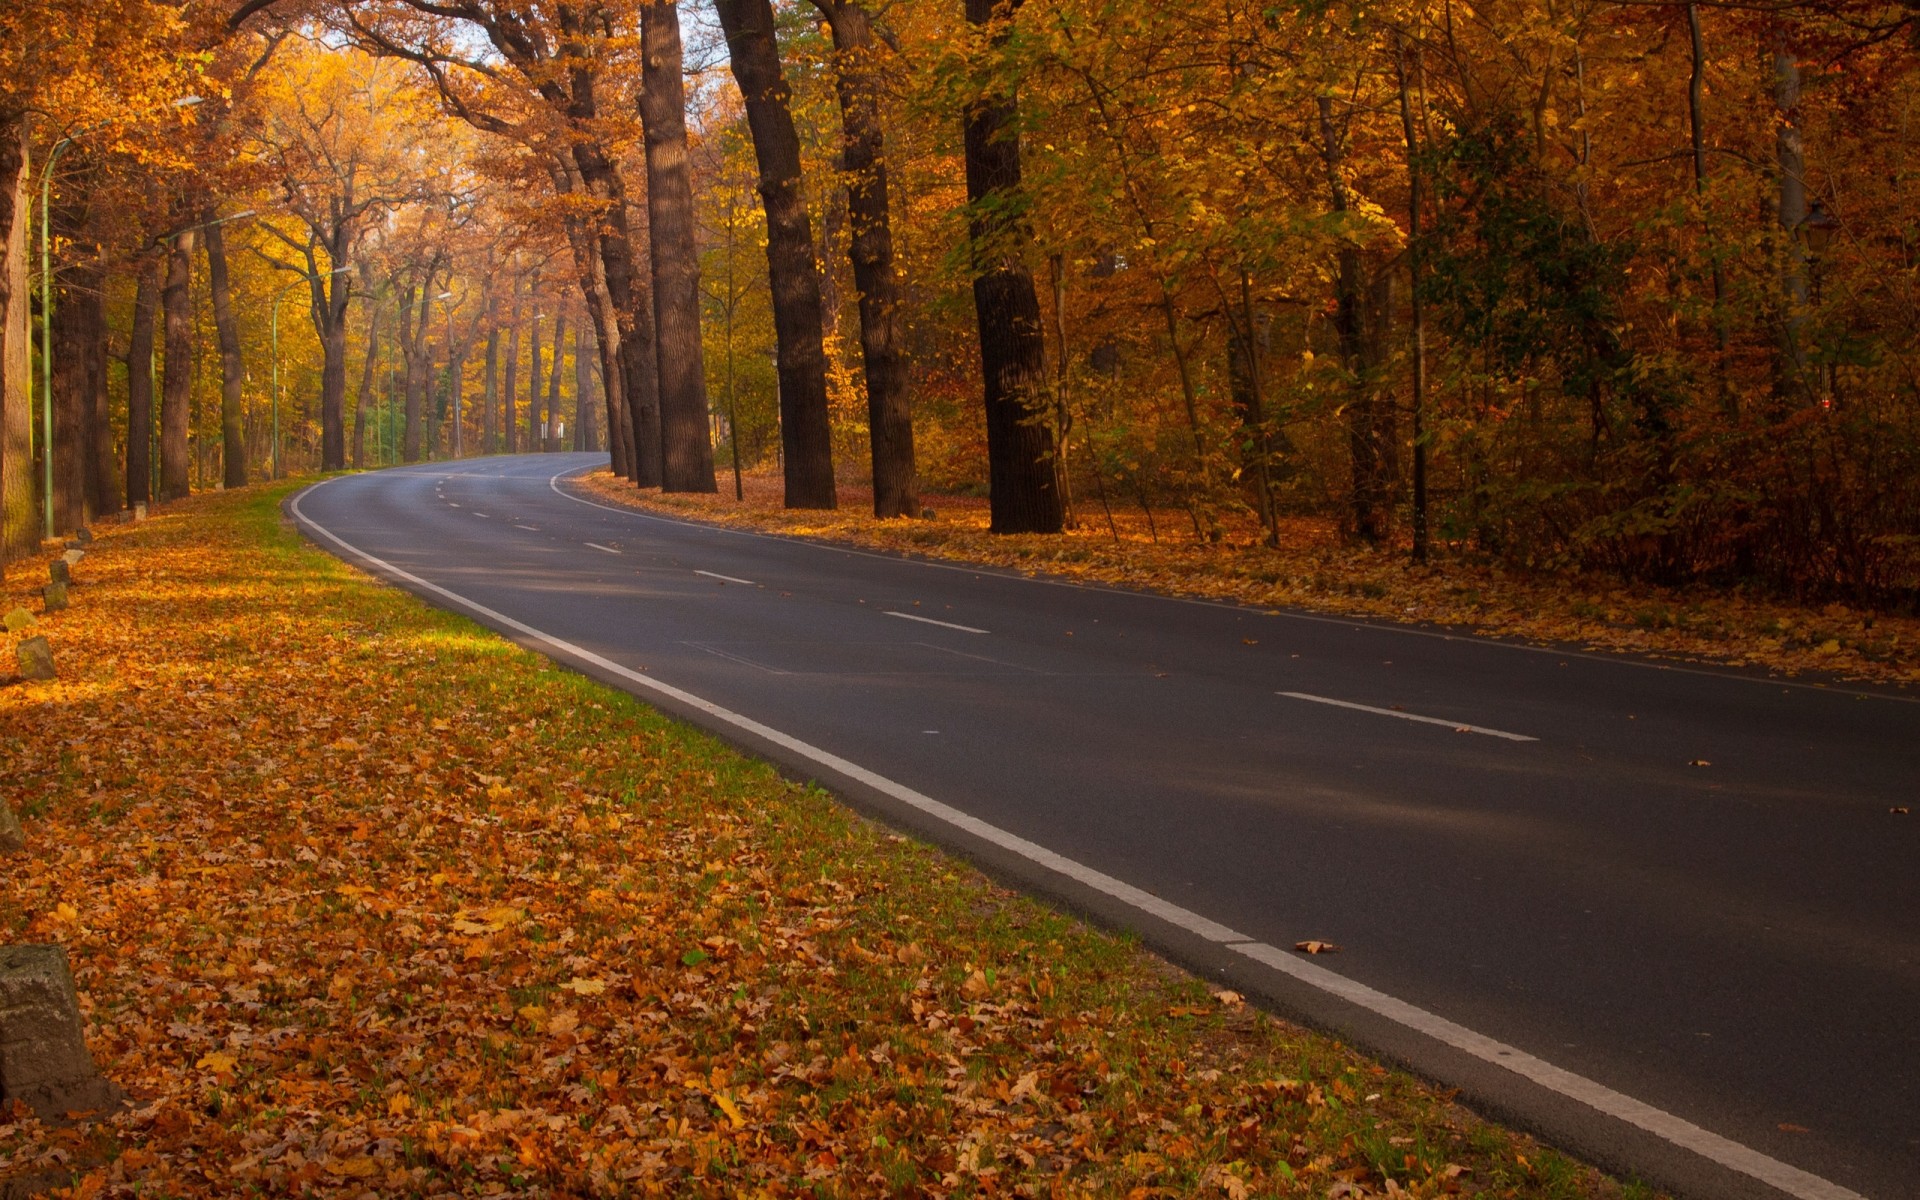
<point x="1606" y="286"/>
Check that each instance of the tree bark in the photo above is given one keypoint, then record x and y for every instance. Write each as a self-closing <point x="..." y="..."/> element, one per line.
<point x="413" y="347"/>
<point x="1022" y="492"/>
<point x="508" y="406"/>
<point x="71" y="379"/>
<point x="585" y="437"/>
<point x="233" y="446"/>
<point x="863" y="147"/>
<point x="146" y="298"/>
<point x="805" y="431"/>
<point x="535" y="434"/>
<point x="490" y="389"/>
<point x="365" y="393"/>
<point x="12" y="288"/>
<point x="1368" y="511"/>
<point x="176" y="380"/>
<point x="686" y="440"/>
<point x="550" y="433"/>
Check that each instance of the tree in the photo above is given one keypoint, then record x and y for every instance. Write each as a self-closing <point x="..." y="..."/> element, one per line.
<point x="754" y="55"/>
<point x="685" y="440"/>
<point x="863" y="141"/>
<point x="1023" y="490"/>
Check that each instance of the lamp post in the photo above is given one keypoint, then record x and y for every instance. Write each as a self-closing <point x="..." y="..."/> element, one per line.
<point x="453" y="385"/>
<point x="304" y="279"/>
<point x="46" y="307"/>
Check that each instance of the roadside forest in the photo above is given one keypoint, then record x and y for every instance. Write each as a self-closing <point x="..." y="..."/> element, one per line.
<point x="1611" y="286"/>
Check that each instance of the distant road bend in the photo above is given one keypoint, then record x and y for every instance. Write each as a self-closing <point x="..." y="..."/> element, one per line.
<point x="1662" y="915"/>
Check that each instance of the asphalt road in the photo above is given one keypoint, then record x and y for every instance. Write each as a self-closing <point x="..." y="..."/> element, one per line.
<point x="1662" y="916"/>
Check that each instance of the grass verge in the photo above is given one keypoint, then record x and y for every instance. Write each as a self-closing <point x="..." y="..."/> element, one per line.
<point x="1314" y="569"/>
<point x="364" y="900"/>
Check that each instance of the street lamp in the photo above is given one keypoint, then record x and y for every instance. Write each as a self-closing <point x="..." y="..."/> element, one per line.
<point x="453" y="385"/>
<point x="304" y="279"/>
<point x="46" y="306"/>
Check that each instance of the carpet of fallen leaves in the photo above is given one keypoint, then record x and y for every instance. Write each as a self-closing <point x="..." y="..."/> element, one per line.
<point x="1314" y="569"/>
<point x="365" y="901"/>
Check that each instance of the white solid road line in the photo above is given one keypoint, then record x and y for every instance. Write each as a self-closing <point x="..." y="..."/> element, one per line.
<point x="1407" y="716"/>
<point x="726" y="578"/>
<point x="478" y="513"/>
<point x="931" y="621"/>
<point x="1676" y="1130"/>
<point x="598" y="546"/>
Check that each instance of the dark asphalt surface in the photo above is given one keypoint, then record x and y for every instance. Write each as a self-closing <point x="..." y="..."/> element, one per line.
<point x="1689" y="888"/>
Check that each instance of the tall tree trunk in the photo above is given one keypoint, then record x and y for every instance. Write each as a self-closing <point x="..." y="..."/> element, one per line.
<point x="331" y="294"/>
<point x="686" y="440"/>
<point x="552" y="430"/>
<point x="146" y="298"/>
<point x="584" y="435"/>
<point x="103" y="482"/>
<point x="413" y="341"/>
<point x="490" y="389"/>
<point x="631" y="305"/>
<point x="71" y="378"/>
<point x="176" y="380"/>
<point x="19" y="523"/>
<point x="1790" y="371"/>
<point x="456" y="397"/>
<point x="535" y="435"/>
<point x="1022" y="492"/>
<point x="233" y="446"/>
<point x="863" y="147"/>
<point x="1415" y="278"/>
<point x="508" y="406"/>
<point x="1367" y="508"/>
<point x="805" y="431"/>
<point x="364" y="396"/>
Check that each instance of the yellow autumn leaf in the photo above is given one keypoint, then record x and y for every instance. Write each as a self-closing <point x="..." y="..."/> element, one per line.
<point x="728" y="1107"/>
<point x="219" y="1062"/>
<point x="584" y="987"/>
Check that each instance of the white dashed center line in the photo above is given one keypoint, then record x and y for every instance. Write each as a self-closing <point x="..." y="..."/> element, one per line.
<point x="528" y="528"/>
<point x="726" y="578"/>
<point x="598" y="546"/>
<point x="931" y="621"/>
<point x="1406" y="716"/>
<point x="478" y="513"/>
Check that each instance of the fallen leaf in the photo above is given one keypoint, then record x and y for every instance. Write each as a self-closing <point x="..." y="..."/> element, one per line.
<point x="1311" y="946"/>
<point x="219" y="1062"/>
<point x="584" y="987"/>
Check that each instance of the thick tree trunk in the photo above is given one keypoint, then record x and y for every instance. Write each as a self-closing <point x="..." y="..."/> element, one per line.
<point x="686" y="441"/>
<point x="72" y="323"/>
<point x="1022" y="487"/>
<point x="805" y="431"/>
<point x="631" y="302"/>
<point x="176" y="380"/>
<point x="146" y="299"/>
<point x="863" y="146"/>
<point x="233" y="445"/>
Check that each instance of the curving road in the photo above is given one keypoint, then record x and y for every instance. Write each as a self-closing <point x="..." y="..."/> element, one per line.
<point x="1662" y="916"/>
